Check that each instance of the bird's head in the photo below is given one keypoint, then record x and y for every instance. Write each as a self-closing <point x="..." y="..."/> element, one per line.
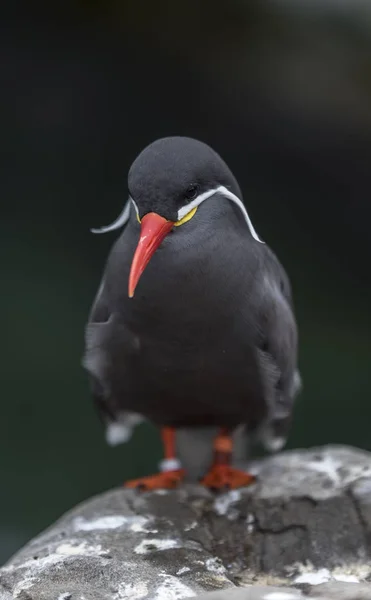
<point x="167" y="183"/>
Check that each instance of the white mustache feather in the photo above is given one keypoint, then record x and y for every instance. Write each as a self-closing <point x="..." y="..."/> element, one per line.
<point x="121" y="220"/>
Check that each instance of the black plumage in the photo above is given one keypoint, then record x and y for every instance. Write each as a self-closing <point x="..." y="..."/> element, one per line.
<point x="209" y="337"/>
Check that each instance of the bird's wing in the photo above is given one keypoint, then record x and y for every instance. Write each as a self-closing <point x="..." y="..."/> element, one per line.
<point x="277" y="349"/>
<point x="101" y="335"/>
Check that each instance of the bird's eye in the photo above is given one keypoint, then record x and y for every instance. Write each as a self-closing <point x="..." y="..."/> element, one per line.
<point x="192" y="192"/>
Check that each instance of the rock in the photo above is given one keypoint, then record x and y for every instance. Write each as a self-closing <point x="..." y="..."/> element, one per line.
<point x="305" y="524"/>
<point x="327" y="591"/>
<point x="340" y="591"/>
<point x="258" y="592"/>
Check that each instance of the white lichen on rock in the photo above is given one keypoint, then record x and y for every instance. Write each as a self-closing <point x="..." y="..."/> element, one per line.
<point x="155" y="545"/>
<point x="215" y="565"/>
<point x="172" y="589"/>
<point x="191" y="526"/>
<point x="347" y="574"/>
<point x="131" y="591"/>
<point x="183" y="570"/>
<point x="23" y="585"/>
<point x="105" y="522"/>
<point x="224" y="502"/>
<point x="80" y="549"/>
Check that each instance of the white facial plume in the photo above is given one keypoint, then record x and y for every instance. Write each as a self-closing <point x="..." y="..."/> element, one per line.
<point x="123" y="218"/>
<point x="227" y="194"/>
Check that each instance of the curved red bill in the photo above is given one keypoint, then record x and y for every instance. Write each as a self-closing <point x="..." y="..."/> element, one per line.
<point x="153" y="230"/>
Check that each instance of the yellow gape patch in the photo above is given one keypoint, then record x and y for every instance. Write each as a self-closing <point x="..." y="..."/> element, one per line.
<point x="186" y="217"/>
<point x="138" y="219"/>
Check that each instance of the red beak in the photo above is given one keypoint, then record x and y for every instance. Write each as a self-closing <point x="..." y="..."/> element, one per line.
<point x="153" y="230"/>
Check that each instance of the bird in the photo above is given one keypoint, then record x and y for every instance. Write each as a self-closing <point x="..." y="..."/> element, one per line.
<point x="193" y="324"/>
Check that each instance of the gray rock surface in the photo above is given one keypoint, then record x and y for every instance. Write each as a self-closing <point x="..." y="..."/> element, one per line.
<point x="305" y="524"/>
<point x="330" y="591"/>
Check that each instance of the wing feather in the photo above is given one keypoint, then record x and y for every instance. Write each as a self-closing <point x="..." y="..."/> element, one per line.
<point x="277" y="350"/>
<point x="101" y="334"/>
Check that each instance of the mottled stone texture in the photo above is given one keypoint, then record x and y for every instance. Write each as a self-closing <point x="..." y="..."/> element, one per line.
<point x="303" y="529"/>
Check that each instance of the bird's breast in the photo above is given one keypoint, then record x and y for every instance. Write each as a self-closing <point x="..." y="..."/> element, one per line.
<point x="192" y="297"/>
<point x="190" y="318"/>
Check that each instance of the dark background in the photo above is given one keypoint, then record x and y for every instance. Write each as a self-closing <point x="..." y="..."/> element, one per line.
<point x="284" y="94"/>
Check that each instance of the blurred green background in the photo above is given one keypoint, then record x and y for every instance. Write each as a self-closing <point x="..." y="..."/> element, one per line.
<point x="282" y="90"/>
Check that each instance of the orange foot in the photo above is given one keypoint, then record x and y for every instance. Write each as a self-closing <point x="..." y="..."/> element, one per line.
<point x="224" y="477"/>
<point x="167" y="480"/>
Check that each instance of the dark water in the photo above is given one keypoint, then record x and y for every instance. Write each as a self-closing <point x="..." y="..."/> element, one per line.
<point x="83" y="91"/>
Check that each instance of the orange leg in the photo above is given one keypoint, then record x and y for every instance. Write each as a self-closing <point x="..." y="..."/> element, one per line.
<point x="171" y="474"/>
<point x="222" y="476"/>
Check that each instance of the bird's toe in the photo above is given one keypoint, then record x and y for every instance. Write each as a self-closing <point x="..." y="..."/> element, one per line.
<point x="223" y="478"/>
<point x="167" y="480"/>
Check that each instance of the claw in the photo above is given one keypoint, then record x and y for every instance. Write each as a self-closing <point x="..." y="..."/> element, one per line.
<point x="167" y="480"/>
<point x="224" y="477"/>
